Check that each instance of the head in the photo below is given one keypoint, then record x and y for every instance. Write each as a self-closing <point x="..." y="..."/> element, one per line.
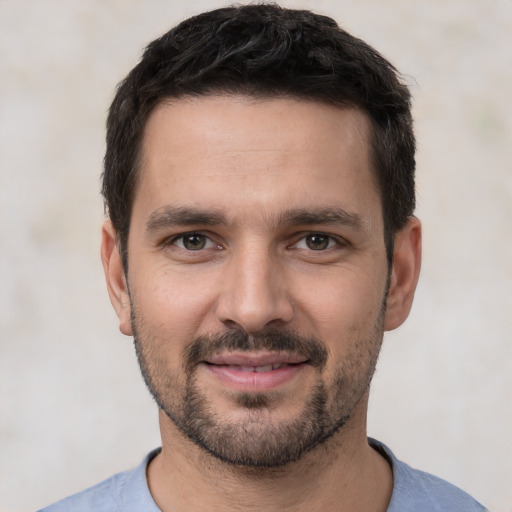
<point x="259" y="183"/>
<point x="264" y="51"/>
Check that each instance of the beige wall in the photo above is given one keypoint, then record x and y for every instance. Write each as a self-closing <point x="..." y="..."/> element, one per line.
<point x="73" y="409"/>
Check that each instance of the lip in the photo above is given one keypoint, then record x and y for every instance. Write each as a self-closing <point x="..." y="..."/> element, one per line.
<point x="234" y="370"/>
<point x="256" y="358"/>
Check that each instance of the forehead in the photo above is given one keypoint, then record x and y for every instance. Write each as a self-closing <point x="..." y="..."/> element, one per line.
<point x="226" y="151"/>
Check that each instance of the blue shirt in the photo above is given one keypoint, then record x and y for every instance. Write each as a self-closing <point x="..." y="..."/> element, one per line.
<point x="413" y="490"/>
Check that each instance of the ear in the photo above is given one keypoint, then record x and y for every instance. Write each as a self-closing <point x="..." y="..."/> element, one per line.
<point x="404" y="274"/>
<point x="115" y="276"/>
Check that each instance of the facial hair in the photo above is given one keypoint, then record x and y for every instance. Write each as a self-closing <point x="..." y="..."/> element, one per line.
<point x="258" y="441"/>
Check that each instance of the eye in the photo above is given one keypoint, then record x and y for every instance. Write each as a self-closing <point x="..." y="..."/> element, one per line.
<point x="316" y="242"/>
<point x="193" y="242"/>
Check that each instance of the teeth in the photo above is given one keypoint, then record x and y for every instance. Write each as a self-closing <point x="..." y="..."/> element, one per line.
<point x="261" y="369"/>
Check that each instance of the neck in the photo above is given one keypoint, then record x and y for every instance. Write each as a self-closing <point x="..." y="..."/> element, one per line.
<point x="342" y="474"/>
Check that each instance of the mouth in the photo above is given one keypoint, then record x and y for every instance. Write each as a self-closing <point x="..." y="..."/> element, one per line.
<point x="255" y="372"/>
<point x="256" y="369"/>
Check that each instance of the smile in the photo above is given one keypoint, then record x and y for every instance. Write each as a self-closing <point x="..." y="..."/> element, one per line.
<point x="249" y="372"/>
<point x="260" y="369"/>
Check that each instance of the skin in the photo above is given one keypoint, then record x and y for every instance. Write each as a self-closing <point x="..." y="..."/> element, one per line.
<point x="254" y="161"/>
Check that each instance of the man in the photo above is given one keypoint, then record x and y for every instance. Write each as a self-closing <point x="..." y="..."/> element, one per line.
<point x="259" y="181"/>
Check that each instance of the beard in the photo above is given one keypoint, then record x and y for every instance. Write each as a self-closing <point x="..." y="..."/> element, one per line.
<point x="258" y="440"/>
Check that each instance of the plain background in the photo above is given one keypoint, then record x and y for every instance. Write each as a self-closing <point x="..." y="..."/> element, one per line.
<point x="73" y="408"/>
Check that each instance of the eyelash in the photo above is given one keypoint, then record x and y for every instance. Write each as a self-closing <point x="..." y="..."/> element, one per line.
<point x="183" y="236"/>
<point x="332" y="241"/>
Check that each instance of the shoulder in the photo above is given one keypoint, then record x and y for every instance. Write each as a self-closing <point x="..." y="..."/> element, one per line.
<point x="423" y="492"/>
<point x="102" y="497"/>
<point x="123" y="492"/>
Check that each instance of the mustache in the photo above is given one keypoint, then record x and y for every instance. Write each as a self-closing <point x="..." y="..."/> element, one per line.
<point x="310" y="348"/>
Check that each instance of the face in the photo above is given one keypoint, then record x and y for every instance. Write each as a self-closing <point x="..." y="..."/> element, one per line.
<point x="257" y="277"/>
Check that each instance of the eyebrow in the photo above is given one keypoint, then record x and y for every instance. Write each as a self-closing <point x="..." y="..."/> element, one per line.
<point x="303" y="216"/>
<point x="186" y="216"/>
<point x="183" y="216"/>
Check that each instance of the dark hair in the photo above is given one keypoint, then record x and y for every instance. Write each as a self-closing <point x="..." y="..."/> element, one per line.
<point x="264" y="51"/>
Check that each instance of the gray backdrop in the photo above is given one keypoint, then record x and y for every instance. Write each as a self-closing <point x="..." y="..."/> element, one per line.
<point x="73" y="409"/>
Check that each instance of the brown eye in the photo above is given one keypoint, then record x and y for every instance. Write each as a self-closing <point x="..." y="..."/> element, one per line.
<point x="318" y="242"/>
<point x="193" y="241"/>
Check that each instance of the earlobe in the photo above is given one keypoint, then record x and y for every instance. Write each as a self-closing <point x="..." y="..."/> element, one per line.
<point x="404" y="274"/>
<point x="115" y="277"/>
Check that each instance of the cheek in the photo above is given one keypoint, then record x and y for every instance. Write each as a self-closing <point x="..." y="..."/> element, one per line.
<point x="175" y="302"/>
<point x="346" y="308"/>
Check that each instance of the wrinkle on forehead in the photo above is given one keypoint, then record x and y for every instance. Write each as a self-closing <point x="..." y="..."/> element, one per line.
<point x="274" y="153"/>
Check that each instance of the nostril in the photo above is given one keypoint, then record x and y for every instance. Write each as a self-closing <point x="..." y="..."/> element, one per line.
<point x="231" y="324"/>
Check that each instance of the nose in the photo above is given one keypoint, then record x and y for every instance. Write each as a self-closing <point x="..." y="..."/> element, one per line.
<point x="254" y="292"/>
